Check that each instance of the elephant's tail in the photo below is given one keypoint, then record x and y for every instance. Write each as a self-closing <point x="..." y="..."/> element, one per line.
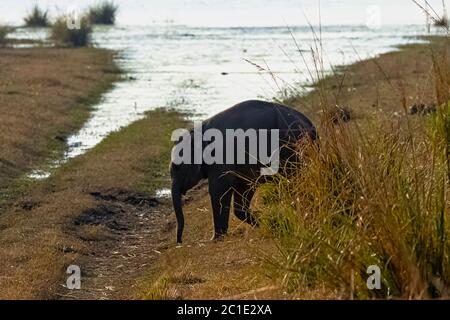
<point x="176" y="200"/>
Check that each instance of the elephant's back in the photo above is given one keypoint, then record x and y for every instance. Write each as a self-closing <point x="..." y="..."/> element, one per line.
<point x="256" y="114"/>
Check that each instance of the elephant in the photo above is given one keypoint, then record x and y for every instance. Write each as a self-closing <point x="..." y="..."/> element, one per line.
<point x="235" y="178"/>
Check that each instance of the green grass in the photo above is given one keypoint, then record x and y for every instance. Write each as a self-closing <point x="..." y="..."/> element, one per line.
<point x="37" y="18"/>
<point x="103" y="13"/>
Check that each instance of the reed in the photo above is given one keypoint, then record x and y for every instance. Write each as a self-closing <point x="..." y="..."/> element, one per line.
<point x="37" y="17"/>
<point x="372" y="193"/>
<point x="4" y="31"/>
<point x="77" y="34"/>
<point x="103" y="13"/>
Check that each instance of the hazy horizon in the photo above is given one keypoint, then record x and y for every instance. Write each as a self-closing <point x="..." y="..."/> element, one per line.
<point x="235" y="13"/>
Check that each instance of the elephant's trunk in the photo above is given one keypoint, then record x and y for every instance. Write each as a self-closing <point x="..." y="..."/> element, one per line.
<point x="176" y="200"/>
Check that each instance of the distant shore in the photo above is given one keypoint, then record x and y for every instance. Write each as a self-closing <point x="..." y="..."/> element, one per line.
<point x="377" y="86"/>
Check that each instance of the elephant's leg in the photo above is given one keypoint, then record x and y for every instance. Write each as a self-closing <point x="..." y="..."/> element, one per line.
<point x="242" y="199"/>
<point x="220" y="193"/>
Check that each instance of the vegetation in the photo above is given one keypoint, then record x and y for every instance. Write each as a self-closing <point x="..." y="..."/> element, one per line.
<point x="77" y="35"/>
<point x="373" y="191"/>
<point x="377" y="194"/>
<point x="443" y="20"/>
<point x="37" y="18"/>
<point x="4" y="31"/>
<point x="103" y="13"/>
<point x="49" y="121"/>
<point x="134" y="164"/>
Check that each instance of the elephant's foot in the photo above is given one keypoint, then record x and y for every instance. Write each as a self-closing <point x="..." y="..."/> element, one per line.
<point x="218" y="237"/>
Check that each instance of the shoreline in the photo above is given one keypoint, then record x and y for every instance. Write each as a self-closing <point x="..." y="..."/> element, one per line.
<point x="369" y="86"/>
<point x="45" y="99"/>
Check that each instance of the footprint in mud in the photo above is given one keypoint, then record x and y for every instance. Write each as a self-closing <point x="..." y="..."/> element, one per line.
<point x="103" y="214"/>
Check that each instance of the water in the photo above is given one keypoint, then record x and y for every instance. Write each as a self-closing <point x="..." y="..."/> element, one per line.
<point x="207" y="65"/>
<point x="163" y="193"/>
<point x="203" y="70"/>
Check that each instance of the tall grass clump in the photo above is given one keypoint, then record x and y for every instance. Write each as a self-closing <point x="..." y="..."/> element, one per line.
<point x="103" y="13"/>
<point x="37" y="18"/>
<point x="367" y="195"/>
<point x="4" y="31"/>
<point x="63" y="33"/>
<point x="379" y="198"/>
<point x="441" y="22"/>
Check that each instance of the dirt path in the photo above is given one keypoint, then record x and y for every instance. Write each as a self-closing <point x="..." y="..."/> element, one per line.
<point x="139" y="228"/>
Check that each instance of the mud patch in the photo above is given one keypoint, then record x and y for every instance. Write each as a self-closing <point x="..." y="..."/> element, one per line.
<point x="27" y="205"/>
<point x="422" y="109"/>
<point x="118" y="210"/>
<point x="104" y="214"/>
<point x="127" y="197"/>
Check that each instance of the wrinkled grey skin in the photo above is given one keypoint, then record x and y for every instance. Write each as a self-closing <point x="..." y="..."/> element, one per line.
<point x="226" y="180"/>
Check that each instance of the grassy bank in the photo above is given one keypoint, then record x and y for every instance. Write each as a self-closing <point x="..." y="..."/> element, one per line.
<point x="376" y="193"/>
<point x="45" y="94"/>
<point x="52" y="227"/>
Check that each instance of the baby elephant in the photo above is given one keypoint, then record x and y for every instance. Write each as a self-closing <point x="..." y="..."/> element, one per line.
<point x="234" y="149"/>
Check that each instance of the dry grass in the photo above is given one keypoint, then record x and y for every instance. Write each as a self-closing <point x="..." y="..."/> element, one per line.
<point x="373" y="193"/>
<point x="362" y="200"/>
<point x="42" y="98"/>
<point x="309" y="219"/>
<point x="203" y="269"/>
<point x="375" y="87"/>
